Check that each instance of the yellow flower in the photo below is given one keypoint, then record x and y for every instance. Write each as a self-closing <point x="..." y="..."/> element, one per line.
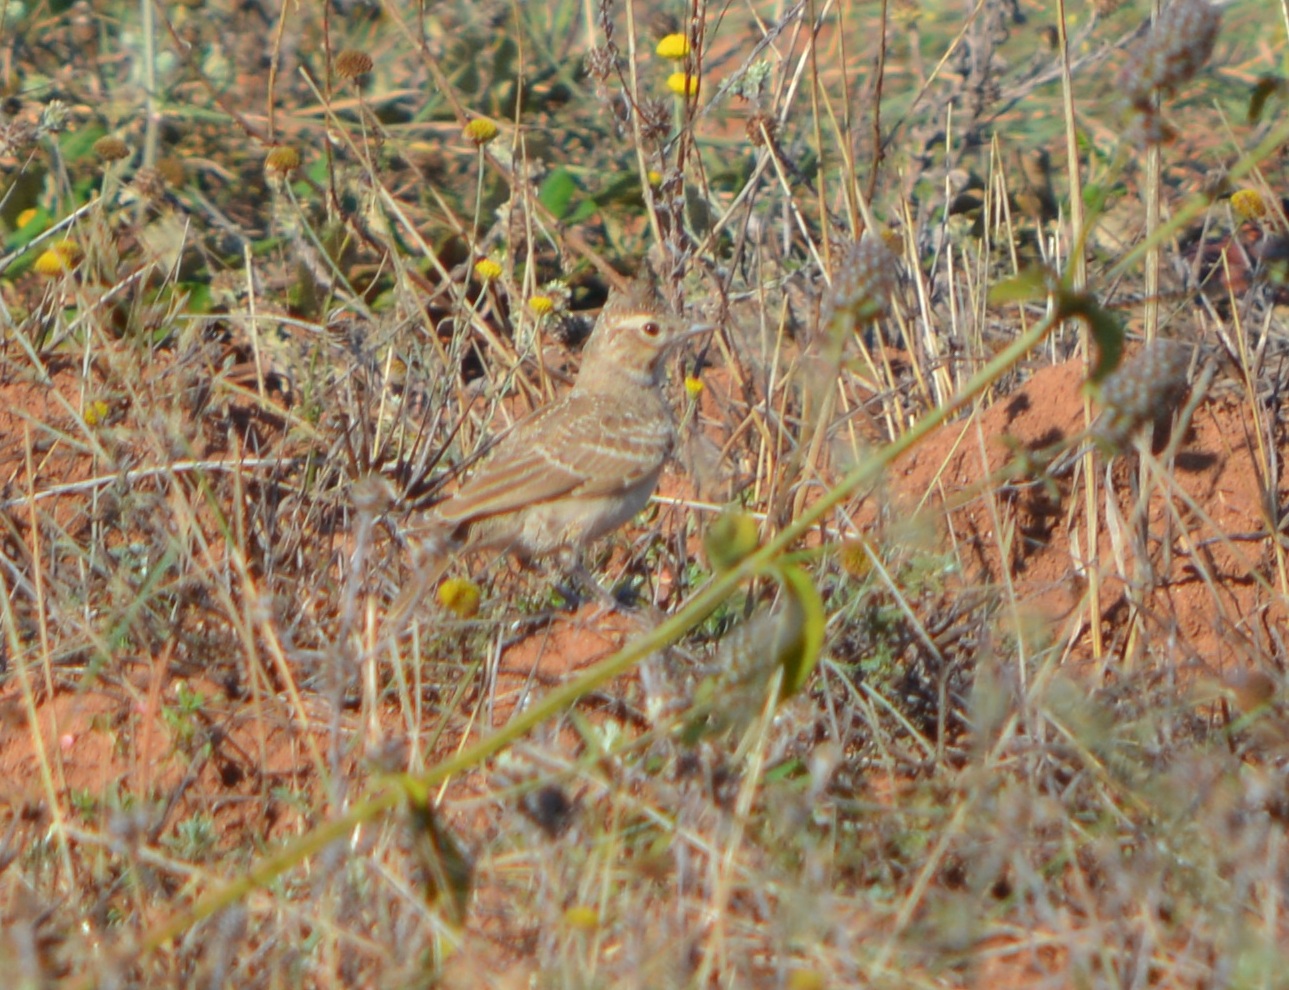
<point x="541" y="305"/>
<point x="674" y="47"/>
<point x="582" y="917"/>
<point x="854" y="558"/>
<point x="68" y="249"/>
<point x="460" y="596"/>
<point x="654" y="177"/>
<point x="1247" y="204"/>
<point x="26" y="216"/>
<point x="487" y="269"/>
<point x="807" y="979"/>
<point x="682" y="83"/>
<point x="480" y="131"/>
<point x="50" y="264"/>
<point x="96" y="412"/>
<point x="62" y="257"/>
<point x="693" y="386"/>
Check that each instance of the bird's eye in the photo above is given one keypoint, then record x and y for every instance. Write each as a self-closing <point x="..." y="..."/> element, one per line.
<point x="651" y="329"/>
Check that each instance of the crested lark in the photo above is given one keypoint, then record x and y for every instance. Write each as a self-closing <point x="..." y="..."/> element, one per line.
<point x="580" y="467"/>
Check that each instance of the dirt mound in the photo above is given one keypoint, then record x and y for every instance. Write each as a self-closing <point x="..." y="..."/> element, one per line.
<point x="1197" y="565"/>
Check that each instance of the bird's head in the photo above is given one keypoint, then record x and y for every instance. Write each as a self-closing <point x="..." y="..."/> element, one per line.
<point x="633" y="335"/>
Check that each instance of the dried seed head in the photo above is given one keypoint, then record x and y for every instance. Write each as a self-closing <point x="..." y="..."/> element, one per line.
<point x="351" y="64"/>
<point x="53" y="118"/>
<point x="655" y="120"/>
<point x="866" y="278"/>
<point x="1144" y="389"/>
<point x="172" y="172"/>
<point x="906" y="12"/>
<point x="149" y="184"/>
<point x="480" y="131"/>
<point x="760" y="127"/>
<point x="1147" y="127"/>
<point x="1174" y="50"/>
<point x="600" y="62"/>
<point x="111" y="148"/>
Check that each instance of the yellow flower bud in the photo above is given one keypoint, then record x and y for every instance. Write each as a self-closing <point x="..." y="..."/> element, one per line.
<point x="1247" y="204"/>
<point x="281" y="161"/>
<point x="854" y="558"/>
<point x="807" y="979"/>
<point x="480" y="131"/>
<point x="541" y="305"/>
<point x="582" y="917"/>
<point x="96" y="412"/>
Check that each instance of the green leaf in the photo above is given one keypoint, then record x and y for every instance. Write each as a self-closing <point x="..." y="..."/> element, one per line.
<point x="1031" y="285"/>
<point x="79" y="143"/>
<point x="805" y="609"/>
<point x="557" y="192"/>
<point x="1266" y="87"/>
<point x="447" y="866"/>
<point x="1107" y="330"/>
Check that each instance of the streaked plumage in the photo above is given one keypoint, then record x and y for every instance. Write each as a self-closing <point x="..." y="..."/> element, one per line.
<point x="582" y="466"/>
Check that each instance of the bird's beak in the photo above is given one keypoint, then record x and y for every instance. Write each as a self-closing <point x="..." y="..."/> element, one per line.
<point x="698" y="328"/>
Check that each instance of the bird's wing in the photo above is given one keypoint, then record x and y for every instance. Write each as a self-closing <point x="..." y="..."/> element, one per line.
<point x="574" y="448"/>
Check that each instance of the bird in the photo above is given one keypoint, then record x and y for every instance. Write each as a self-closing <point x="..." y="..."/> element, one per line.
<point x="577" y="468"/>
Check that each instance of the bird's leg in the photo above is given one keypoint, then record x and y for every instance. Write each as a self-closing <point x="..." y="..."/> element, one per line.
<point x="579" y="584"/>
<point x="641" y="613"/>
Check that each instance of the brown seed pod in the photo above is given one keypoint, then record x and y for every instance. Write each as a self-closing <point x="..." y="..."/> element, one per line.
<point x="1144" y="389"/>
<point x="111" y="148"/>
<point x="1174" y="50"/>
<point x="350" y="64"/>
<point x="866" y="278"/>
<point x="281" y="161"/>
